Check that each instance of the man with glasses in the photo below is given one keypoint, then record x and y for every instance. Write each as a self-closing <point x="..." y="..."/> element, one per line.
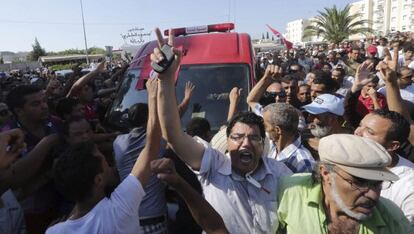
<point x="342" y="195"/>
<point x="405" y="83"/>
<point x="242" y="185"/>
<point x="390" y="129"/>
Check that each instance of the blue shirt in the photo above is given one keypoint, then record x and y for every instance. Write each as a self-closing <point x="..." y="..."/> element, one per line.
<point x="127" y="148"/>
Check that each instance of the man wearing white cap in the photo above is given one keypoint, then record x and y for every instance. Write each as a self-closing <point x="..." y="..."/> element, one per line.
<point x="325" y="118"/>
<point x="342" y="195"/>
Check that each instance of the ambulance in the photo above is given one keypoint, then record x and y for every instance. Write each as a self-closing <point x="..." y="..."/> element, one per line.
<point x="215" y="59"/>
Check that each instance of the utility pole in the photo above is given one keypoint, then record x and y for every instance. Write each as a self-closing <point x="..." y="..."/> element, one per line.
<point x="84" y="34"/>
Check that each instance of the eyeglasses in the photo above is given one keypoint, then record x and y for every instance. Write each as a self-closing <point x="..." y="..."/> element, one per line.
<point x="364" y="185"/>
<point x="239" y="138"/>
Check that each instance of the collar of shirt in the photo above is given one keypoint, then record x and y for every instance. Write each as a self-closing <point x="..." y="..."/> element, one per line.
<point x="289" y="150"/>
<point x="315" y="197"/>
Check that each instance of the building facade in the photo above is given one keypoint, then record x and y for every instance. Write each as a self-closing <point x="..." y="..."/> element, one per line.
<point x="384" y="16"/>
<point x="295" y="29"/>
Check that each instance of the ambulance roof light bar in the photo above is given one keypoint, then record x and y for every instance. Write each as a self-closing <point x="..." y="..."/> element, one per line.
<point x="225" y="27"/>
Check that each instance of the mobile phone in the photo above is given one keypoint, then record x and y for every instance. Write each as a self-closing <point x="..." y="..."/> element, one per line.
<point x="163" y="65"/>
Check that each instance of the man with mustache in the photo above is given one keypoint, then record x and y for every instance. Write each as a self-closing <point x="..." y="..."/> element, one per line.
<point x="342" y="195"/>
<point x="325" y="118"/>
<point x="241" y="185"/>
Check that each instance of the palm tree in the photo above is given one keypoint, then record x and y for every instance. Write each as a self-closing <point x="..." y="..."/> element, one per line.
<point x="335" y="25"/>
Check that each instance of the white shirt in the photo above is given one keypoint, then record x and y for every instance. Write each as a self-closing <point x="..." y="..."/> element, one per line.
<point x="401" y="192"/>
<point x="243" y="207"/>
<point x="117" y="214"/>
<point x="407" y="93"/>
<point x="411" y="65"/>
<point x="380" y="51"/>
<point x="11" y="215"/>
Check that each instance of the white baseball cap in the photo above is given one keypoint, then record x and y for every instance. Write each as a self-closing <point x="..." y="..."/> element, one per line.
<point x="326" y="103"/>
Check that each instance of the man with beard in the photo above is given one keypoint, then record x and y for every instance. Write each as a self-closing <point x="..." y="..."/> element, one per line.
<point x="342" y="195"/>
<point x="83" y="175"/>
<point x="325" y="118"/>
<point x="242" y="185"/>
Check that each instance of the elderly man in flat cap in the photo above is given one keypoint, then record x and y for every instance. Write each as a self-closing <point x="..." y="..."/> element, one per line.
<point x="342" y="195"/>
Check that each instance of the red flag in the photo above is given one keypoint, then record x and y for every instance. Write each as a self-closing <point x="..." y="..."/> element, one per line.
<point x="287" y="43"/>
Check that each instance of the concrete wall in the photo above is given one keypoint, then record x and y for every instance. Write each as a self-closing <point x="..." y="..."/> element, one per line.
<point x="20" y="66"/>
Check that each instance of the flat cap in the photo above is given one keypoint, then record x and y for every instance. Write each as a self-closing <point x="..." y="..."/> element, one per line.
<point x="358" y="156"/>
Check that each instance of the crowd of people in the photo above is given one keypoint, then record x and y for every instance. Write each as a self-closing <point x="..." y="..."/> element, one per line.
<point x="326" y="148"/>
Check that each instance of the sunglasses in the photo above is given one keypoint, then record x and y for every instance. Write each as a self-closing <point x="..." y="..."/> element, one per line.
<point x="275" y="94"/>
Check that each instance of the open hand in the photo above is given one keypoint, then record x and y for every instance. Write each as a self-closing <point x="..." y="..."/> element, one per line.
<point x="362" y="73"/>
<point x="189" y="88"/>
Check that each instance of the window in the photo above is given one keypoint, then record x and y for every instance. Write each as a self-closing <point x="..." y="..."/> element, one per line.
<point x="393" y="9"/>
<point x="404" y="17"/>
<point x="404" y="28"/>
<point x="393" y="19"/>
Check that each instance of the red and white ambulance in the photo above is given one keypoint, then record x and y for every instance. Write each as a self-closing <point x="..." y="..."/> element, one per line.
<point x="215" y="60"/>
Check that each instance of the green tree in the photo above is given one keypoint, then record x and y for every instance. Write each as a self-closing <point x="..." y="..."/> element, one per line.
<point x="96" y="50"/>
<point x="335" y="25"/>
<point x="1" y="60"/>
<point x="36" y="52"/>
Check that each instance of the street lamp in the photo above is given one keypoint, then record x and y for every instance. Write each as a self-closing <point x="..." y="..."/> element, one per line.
<point x="84" y="34"/>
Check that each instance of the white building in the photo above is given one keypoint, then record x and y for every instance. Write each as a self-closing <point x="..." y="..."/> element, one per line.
<point x="294" y="30"/>
<point x="386" y="16"/>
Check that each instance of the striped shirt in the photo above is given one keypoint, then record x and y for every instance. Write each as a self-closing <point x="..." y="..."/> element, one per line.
<point x="295" y="156"/>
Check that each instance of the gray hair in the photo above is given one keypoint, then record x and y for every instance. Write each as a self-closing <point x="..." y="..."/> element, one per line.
<point x="283" y="115"/>
<point x="316" y="173"/>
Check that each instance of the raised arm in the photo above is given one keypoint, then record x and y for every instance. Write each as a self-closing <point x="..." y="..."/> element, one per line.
<point x="394" y="99"/>
<point x="234" y="97"/>
<point x="188" y="92"/>
<point x="151" y="150"/>
<point x="203" y="213"/>
<point x="77" y="86"/>
<point x="184" y="146"/>
<point x="11" y="145"/>
<point x="27" y="167"/>
<point x="272" y="72"/>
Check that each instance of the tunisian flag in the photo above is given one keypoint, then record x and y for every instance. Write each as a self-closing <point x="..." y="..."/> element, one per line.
<point x="287" y="43"/>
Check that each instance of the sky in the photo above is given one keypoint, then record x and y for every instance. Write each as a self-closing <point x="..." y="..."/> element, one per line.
<point x="57" y="24"/>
